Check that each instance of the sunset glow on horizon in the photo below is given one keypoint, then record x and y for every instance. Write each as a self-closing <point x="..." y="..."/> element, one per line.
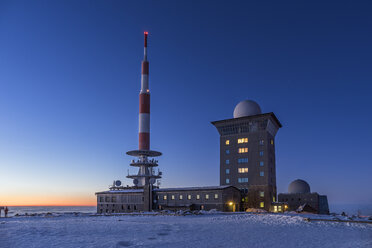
<point x="47" y="200"/>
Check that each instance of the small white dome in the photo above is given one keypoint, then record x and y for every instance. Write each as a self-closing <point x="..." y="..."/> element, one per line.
<point x="246" y="108"/>
<point x="298" y="187"/>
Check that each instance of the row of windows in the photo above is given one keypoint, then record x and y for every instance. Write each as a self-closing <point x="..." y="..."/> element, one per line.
<point x="245" y="140"/>
<point x="189" y="197"/>
<point x="240" y="170"/>
<point x="243" y="150"/>
<point x="242" y="140"/>
<point x="243" y="180"/>
<point x="243" y="161"/>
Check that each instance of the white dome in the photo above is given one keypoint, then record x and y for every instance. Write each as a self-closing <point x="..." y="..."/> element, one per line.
<point x="246" y="108"/>
<point x="298" y="187"/>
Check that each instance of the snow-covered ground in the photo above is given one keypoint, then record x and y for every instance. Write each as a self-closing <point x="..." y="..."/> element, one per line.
<point x="209" y="230"/>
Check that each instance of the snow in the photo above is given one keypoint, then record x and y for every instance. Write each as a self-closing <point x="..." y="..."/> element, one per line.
<point x="207" y="229"/>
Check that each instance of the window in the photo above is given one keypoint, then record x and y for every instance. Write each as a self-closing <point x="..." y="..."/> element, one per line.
<point x="189" y="197"/>
<point x="227" y="161"/>
<point x="197" y="197"/>
<point x="172" y="197"/>
<point x="242" y="170"/>
<point x="181" y="197"/>
<point x="227" y="151"/>
<point x="262" y="193"/>
<point x="273" y="198"/>
<point x="227" y="180"/>
<point x="113" y="199"/>
<point x="243" y="180"/>
<point x="272" y="142"/>
<point x="165" y="197"/>
<point x="242" y="140"/>
<point x="227" y="171"/>
<point x="262" y="173"/>
<point x="215" y="196"/>
<point x="261" y="163"/>
<point x="261" y="142"/>
<point x="107" y="199"/>
<point x="262" y="204"/>
<point x="101" y="199"/>
<point x="243" y="150"/>
<point x="135" y="207"/>
<point x="227" y="142"/>
<point x="261" y="153"/>
<point x="242" y="160"/>
<point x="206" y="196"/>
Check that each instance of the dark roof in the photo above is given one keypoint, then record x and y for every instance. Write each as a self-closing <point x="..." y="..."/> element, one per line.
<point x="271" y="114"/>
<point x="195" y="188"/>
<point x="121" y="191"/>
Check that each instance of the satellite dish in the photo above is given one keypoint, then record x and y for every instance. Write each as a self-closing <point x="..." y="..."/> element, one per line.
<point x="152" y="180"/>
<point x="117" y="183"/>
<point x="135" y="181"/>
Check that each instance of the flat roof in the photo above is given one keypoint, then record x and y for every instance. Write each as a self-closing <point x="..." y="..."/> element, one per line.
<point x="195" y="188"/>
<point x="271" y="114"/>
<point x="121" y="191"/>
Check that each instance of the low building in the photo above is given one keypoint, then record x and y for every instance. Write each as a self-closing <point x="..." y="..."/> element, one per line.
<point x="222" y="198"/>
<point x="300" y="197"/>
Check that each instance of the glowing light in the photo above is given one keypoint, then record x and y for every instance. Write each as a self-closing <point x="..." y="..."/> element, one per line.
<point x="146" y="33"/>
<point x="231" y="203"/>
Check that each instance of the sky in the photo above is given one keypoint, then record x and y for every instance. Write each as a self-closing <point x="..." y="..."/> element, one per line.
<point x="70" y="78"/>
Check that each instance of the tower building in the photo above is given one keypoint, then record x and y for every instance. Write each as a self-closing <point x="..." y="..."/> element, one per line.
<point x="146" y="176"/>
<point x="247" y="154"/>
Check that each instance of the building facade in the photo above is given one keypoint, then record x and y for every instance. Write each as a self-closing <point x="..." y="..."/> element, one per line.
<point x="247" y="154"/>
<point x="221" y="198"/>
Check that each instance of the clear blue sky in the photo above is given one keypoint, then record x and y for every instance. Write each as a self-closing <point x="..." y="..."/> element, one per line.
<point x="70" y="78"/>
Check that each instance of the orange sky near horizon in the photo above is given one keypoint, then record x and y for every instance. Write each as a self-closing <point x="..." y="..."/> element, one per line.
<point x="47" y="200"/>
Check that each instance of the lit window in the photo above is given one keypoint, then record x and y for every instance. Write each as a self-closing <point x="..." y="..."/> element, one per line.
<point x="207" y="196"/>
<point x="261" y="163"/>
<point x="242" y="140"/>
<point x="165" y="197"/>
<point x="242" y="160"/>
<point x="261" y="142"/>
<point x="243" y="150"/>
<point x="173" y="197"/>
<point x="227" y="161"/>
<point x="272" y="142"/>
<point x="227" y="142"/>
<point x="181" y="197"/>
<point x="227" y="180"/>
<point x="262" y="193"/>
<point x="197" y="197"/>
<point x="227" y="151"/>
<point x="189" y="197"/>
<point x="227" y="171"/>
<point x="262" y="204"/>
<point x="215" y="196"/>
<point x="261" y="153"/>
<point x="275" y="209"/>
<point x="243" y="180"/>
<point x="243" y="170"/>
<point x="262" y="173"/>
<point x="273" y="198"/>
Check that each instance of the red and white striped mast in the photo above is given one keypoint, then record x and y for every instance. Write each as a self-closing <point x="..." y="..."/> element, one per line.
<point x="144" y="104"/>
<point x="146" y="175"/>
